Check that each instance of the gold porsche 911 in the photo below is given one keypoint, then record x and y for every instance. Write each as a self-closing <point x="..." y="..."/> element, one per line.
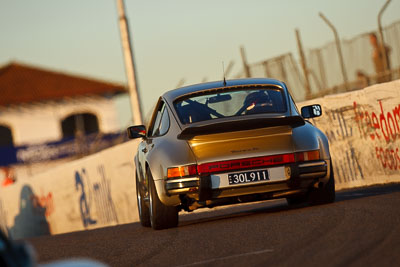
<point x="229" y="142"/>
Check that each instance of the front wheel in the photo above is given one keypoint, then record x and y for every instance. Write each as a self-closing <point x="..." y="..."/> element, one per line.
<point x="161" y="216"/>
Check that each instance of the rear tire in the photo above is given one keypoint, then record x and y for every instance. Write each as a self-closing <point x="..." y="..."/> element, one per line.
<point x="143" y="209"/>
<point x="161" y="216"/>
<point x="326" y="194"/>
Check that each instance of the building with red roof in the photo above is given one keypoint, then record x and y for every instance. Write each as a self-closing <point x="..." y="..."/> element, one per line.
<point x="24" y="84"/>
<point x="39" y="105"/>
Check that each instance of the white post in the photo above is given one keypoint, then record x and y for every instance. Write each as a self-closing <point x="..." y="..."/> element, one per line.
<point x="129" y="64"/>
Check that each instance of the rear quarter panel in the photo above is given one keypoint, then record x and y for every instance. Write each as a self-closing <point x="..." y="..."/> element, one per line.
<point x="309" y="137"/>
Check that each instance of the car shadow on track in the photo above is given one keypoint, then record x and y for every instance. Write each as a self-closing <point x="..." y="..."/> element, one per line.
<point x="280" y="205"/>
<point x="233" y="211"/>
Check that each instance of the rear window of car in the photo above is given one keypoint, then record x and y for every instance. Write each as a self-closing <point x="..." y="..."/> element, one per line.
<point x="221" y="104"/>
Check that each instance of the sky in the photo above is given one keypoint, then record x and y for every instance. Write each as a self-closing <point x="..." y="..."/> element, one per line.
<point x="172" y="39"/>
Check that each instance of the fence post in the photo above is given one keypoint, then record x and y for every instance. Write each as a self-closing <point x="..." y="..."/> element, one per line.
<point x="386" y="67"/>
<point x="295" y="68"/>
<point x="245" y="65"/>
<point x="229" y="68"/>
<point x="180" y="83"/>
<point x="321" y="67"/>
<point x="303" y="65"/>
<point x="282" y="68"/>
<point x="339" y="49"/>
<point x="266" y="69"/>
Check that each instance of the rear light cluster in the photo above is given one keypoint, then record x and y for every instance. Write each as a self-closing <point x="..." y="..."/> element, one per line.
<point x="245" y="163"/>
<point x="307" y="156"/>
<point x="220" y="166"/>
<point x="182" y="171"/>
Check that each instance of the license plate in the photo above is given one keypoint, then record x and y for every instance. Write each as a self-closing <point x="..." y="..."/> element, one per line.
<point x="248" y="177"/>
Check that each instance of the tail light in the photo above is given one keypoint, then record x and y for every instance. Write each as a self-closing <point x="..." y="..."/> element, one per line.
<point x="230" y="165"/>
<point x="307" y="155"/>
<point x="182" y="171"/>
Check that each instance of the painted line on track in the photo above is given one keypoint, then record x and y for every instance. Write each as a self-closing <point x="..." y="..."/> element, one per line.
<point x="228" y="257"/>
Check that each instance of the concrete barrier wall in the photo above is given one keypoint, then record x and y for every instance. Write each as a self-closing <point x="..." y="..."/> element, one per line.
<point x="364" y="134"/>
<point x="99" y="190"/>
<point x="92" y="192"/>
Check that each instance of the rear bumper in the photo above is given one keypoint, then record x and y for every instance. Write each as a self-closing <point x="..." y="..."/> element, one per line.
<point x="311" y="169"/>
<point x="300" y="177"/>
<point x="183" y="185"/>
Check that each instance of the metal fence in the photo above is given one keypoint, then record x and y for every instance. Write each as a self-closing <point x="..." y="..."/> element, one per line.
<point x="284" y="68"/>
<point x="323" y="65"/>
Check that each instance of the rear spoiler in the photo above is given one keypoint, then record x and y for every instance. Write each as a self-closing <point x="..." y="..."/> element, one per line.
<point x="239" y="125"/>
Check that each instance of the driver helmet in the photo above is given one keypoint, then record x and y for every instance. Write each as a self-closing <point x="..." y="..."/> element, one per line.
<point x="257" y="98"/>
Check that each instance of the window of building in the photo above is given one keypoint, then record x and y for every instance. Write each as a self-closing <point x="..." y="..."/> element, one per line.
<point x="85" y="123"/>
<point x="6" y="138"/>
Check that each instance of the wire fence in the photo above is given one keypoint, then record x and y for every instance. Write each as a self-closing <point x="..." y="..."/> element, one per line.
<point x="323" y="65"/>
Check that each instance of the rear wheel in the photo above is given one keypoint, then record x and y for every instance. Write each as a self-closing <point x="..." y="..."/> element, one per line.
<point x="326" y="194"/>
<point x="161" y="216"/>
<point x="144" y="212"/>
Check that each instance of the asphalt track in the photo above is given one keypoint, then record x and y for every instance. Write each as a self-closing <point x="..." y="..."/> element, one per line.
<point x="362" y="228"/>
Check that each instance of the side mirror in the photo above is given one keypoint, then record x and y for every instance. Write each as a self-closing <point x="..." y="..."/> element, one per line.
<point x="311" y="111"/>
<point x="138" y="131"/>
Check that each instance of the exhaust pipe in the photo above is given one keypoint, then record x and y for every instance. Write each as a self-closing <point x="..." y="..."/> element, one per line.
<point x="318" y="185"/>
